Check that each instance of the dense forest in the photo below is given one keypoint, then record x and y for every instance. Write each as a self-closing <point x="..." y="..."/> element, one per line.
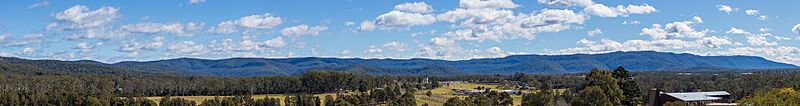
<point x="70" y="83"/>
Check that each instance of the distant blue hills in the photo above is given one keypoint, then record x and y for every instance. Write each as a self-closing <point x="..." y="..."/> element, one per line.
<point x="636" y="61"/>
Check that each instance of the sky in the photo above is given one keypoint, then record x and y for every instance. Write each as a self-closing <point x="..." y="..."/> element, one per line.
<point x="145" y="30"/>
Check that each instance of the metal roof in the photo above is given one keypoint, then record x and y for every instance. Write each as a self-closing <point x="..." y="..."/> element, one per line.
<point x="699" y="96"/>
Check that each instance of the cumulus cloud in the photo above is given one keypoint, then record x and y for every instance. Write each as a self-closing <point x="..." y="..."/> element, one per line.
<point x="631" y="22"/>
<point x="83" y="47"/>
<point x="187" y="48"/>
<point x="302" y="30"/>
<point x="442" y="41"/>
<point x="366" y="26"/>
<point x="594" y="32"/>
<point x="735" y="30"/>
<point x="681" y="29"/>
<point x="404" y="19"/>
<point x="39" y="4"/>
<point x="349" y="23"/>
<point x="395" y="45"/>
<point x="32" y="38"/>
<point x="133" y="46"/>
<point x="493" y="24"/>
<point x="265" y="21"/>
<point x="28" y="51"/>
<point x="751" y="12"/>
<point x="188" y="29"/>
<point x="480" y="4"/>
<point x="725" y="8"/>
<point x="196" y="1"/>
<point x="757" y="40"/>
<point x="582" y="3"/>
<point x="796" y="29"/>
<point x="80" y="17"/>
<point x="673" y="36"/>
<point x="276" y="42"/>
<point x="762" y="18"/>
<point x="605" y="11"/>
<point x="415" y="7"/>
<point x="374" y="50"/>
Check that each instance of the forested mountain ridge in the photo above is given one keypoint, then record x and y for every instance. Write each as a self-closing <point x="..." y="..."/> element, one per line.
<point x="637" y="61"/>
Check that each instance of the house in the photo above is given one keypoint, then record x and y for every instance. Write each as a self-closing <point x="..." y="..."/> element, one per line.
<point x="657" y="98"/>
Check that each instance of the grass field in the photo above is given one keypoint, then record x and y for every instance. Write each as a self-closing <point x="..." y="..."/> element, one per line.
<point x="441" y="94"/>
<point x="439" y="97"/>
<point x="199" y="99"/>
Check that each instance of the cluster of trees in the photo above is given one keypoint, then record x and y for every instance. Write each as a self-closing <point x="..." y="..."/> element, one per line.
<point x="772" y="97"/>
<point x="492" y="98"/>
<point x="76" y="89"/>
<point x="608" y="88"/>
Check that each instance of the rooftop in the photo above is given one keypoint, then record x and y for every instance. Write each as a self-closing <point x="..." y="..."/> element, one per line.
<point x="699" y="96"/>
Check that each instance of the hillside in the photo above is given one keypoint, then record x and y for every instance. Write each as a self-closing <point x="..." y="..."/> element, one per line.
<point x="637" y="61"/>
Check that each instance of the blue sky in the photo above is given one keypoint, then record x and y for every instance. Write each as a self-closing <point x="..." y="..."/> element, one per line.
<point x="144" y="30"/>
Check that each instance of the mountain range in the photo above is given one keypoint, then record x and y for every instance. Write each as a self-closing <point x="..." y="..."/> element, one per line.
<point x="635" y="60"/>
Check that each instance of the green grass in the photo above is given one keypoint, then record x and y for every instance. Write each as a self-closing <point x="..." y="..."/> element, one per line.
<point x="439" y="97"/>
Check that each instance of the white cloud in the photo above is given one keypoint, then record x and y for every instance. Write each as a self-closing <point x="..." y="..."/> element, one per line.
<point x="762" y="18"/>
<point x="415" y="7"/>
<point x="101" y="33"/>
<point x="756" y="40"/>
<point x="366" y="26"/>
<point x="606" y="45"/>
<point x="265" y="21"/>
<point x="187" y="47"/>
<point x="134" y="47"/>
<point x="786" y="54"/>
<point x="490" y="24"/>
<point x="796" y="29"/>
<point x="764" y="29"/>
<point x="276" y="42"/>
<point x="32" y="38"/>
<point x="594" y="32"/>
<point x="681" y="29"/>
<point x="751" y="12"/>
<point x="735" y="30"/>
<point x="344" y="52"/>
<point x="605" y="11"/>
<point x="188" y="29"/>
<point x="582" y="3"/>
<point x="441" y="41"/>
<point x="39" y="4"/>
<point x="83" y="47"/>
<point x="3" y="36"/>
<point x="196" y="1"/>
<point x="374" y="50"/>
<point x="80" y="17"/>
<point x="28" y="50"/>
<point x="725" y="8"/>
<point x="479" y="4"/>
<point x="302" y="30"/>
<point x="349" y="23"/>
<point x="404" y="19"/>
<point x="631" y="22"/>
<point x="394" y="45"/>
<point x="496" y="52"/>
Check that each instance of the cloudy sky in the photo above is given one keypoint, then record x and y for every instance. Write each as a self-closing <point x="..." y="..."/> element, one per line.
<point x="143" y="30"/>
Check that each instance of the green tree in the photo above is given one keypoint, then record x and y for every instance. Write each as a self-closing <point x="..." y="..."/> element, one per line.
<point x="607" y="83"/>
<point x="631" y="92"/>
<point x="591" y="96"/>
<point x="457" y="101"/>
<point x="544" y="97"/>
<point x="407" y="99"/>
<point x="773" y="97"/>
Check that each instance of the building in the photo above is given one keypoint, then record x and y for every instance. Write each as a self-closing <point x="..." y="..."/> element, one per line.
<point x="657" y="98"/>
